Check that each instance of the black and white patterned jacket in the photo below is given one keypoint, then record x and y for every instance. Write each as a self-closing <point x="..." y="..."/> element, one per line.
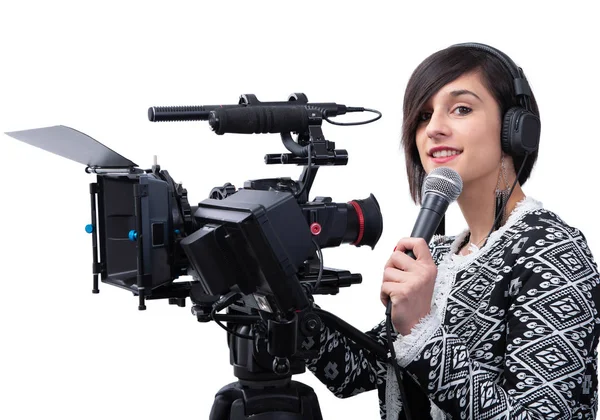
<point x="512" y="334"/>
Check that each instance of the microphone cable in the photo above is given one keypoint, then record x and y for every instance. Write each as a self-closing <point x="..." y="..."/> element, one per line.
<point x="394" y="362"/>
<point x="354" y="109"/>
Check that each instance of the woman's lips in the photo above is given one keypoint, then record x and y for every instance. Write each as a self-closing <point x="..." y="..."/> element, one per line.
<point x="445" y="158"/>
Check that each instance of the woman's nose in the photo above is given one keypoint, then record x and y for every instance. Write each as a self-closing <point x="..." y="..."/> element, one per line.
<point x="437" y="126"/>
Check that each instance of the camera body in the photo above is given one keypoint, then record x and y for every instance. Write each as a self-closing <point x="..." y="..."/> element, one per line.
<point x="256" y="242"/>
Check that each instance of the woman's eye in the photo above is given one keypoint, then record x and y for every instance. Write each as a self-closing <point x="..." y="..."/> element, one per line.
<point x="463" y="110"/>
<point x="424" y="116"/>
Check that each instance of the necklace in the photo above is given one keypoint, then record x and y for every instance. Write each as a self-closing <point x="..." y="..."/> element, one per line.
<point x="478" y="243"/>
<point x="501" y="221"/>
<point x="467" y="241"/>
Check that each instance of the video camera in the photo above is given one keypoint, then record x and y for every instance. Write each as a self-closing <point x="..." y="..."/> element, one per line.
<point x="255" y="251"/>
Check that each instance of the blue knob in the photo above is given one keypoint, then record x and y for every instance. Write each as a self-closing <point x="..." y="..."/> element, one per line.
<point x="177" y="231"/>
<point x="133" y="235"/>
<point x="89" y="228"/>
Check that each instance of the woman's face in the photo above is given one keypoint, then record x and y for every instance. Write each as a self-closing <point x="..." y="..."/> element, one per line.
<point x="460" y="129"/>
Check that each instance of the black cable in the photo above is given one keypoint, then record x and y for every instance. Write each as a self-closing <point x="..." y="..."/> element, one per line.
<point x="320" y="253"/>
<point x="308" y="148"/>
<point x="212" y="315"/>
<point x="355" y="109"/>
<point x="308" y="171"/>
<point x="222" y="303"/>
<point x="394" y="362"/>
<point x="293" y="146"/>
<point x="505" y="204"/>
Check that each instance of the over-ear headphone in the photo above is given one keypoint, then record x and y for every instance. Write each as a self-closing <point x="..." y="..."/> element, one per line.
<point x="520" y="134"/>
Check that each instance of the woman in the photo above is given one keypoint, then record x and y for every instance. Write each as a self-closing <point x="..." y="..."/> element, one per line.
<point x="500" y="321"/>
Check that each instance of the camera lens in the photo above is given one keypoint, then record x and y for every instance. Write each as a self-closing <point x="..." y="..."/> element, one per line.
<point x="365" y="222"/>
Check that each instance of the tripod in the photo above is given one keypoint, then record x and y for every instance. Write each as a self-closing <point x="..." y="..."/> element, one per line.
<point x="263" y="361"/>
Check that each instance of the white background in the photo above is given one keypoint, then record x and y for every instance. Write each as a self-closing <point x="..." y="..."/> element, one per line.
<point x="65" y="353"/>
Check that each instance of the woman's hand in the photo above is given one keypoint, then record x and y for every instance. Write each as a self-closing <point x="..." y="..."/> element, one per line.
<point x="409" y="283"/>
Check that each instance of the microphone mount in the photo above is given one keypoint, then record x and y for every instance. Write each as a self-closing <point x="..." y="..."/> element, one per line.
<point x="296" y="115"/>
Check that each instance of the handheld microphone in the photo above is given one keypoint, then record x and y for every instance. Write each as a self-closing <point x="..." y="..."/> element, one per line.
<point x="441" y="187"/>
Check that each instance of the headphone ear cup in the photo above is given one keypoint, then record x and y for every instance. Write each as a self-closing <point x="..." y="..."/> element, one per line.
<point x="520" y="132"/>
<point x="506" y="134"/>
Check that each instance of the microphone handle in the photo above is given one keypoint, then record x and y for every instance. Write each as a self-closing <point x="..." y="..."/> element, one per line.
<point x="433" y="209"/>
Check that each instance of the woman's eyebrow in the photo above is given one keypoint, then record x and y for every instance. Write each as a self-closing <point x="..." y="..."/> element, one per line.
<point x="459" y="92"/>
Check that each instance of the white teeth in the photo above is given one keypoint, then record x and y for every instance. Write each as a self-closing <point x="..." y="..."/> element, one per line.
<point x="445" y="153"/>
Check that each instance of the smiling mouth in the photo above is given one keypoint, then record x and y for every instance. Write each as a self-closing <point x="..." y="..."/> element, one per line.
<point x="445" y="153"/>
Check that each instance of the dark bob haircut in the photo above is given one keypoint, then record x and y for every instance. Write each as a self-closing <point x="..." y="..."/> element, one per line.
<point x="431" y="75"/>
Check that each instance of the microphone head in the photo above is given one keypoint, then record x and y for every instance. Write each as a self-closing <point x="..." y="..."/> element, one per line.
<point x="443" y="181"/>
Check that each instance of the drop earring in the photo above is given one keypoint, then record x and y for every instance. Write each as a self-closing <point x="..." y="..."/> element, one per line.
<point x="502" y="196"/>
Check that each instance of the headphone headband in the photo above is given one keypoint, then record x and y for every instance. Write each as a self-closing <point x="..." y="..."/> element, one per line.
<point x="520" y="83"/>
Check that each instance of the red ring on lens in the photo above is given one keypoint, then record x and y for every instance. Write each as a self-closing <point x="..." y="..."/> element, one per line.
<point x="361" y="222"/>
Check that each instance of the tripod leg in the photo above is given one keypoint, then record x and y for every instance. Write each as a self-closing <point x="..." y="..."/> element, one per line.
<point x="309" y="401"/>
<point x="221" y="408"/>
<point x="294" y="402"/>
